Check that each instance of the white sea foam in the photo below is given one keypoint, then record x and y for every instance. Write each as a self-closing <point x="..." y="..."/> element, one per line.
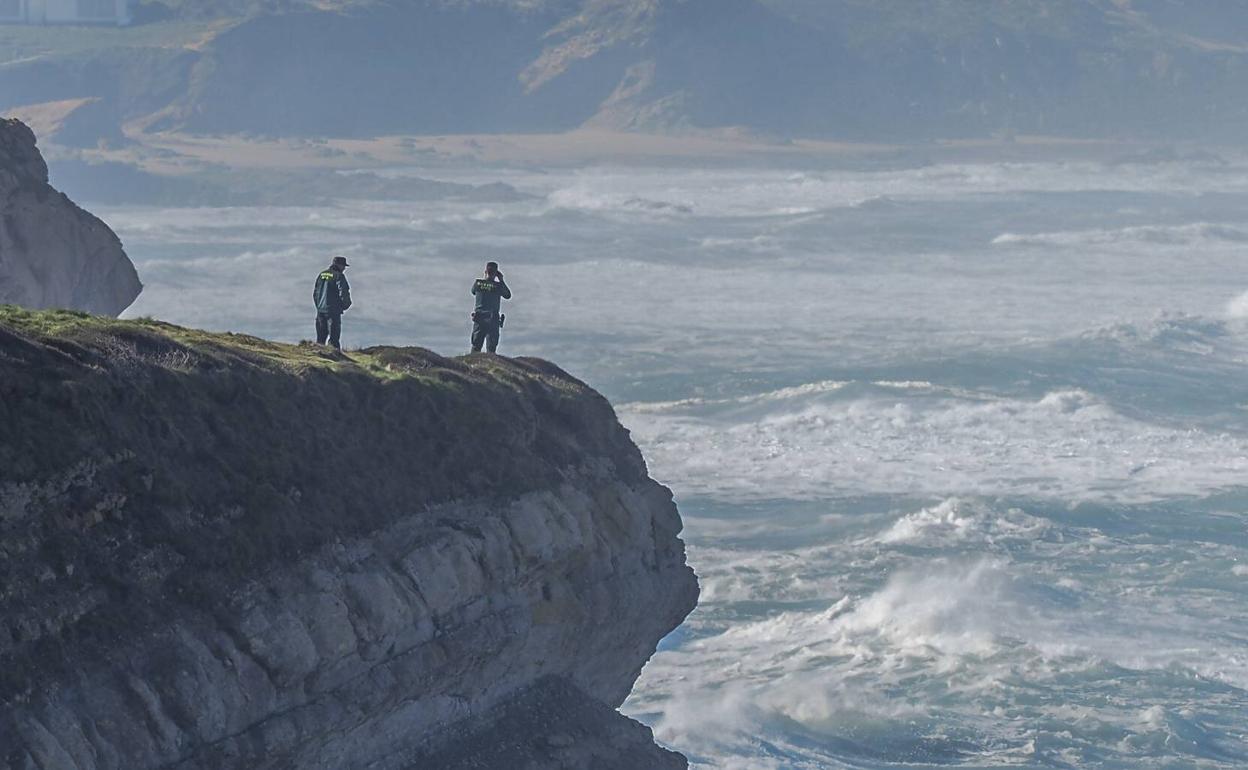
<point x="755" y="192"/>
<point x="1190" y="234"/>
<point x="1067" y="444"/>
<point x="1238" y="307"/>
<point x="956" y="520"/>
<point x="977" y="637"/>
<point x="812" y="388"/>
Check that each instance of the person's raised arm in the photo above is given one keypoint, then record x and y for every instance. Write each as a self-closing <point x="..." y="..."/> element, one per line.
<point x="502" y="288"/>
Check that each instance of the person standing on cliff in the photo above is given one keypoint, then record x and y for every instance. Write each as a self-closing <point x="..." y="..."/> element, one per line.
<point x="487" y="318"/>
<point x="332" y="295"/>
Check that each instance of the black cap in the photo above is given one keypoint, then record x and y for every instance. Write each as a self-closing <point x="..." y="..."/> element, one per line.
<point x="340" y="262"/>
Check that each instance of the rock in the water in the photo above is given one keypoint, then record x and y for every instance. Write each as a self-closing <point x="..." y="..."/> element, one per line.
<point x="52" y="253"/>
<point x="220" y="553"/>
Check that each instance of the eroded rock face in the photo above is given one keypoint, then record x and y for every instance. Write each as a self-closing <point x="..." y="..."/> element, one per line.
<point x="551" y="726"/>
<point x="52" y="253"/>
<point x="207" y="561"/>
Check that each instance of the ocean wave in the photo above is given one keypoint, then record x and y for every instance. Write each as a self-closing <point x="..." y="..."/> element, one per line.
<point x="1068" y="444"/>
<point x="791" y="393"/>
<point x="986" y="654"/>
<point x="1186" y="234"/>
<point x="878" y="203"/>
<point x="1167" y="331"/>
<point x="957" y="522"/>
<point x="585" y="198"/>
<point x="781" y="394"/>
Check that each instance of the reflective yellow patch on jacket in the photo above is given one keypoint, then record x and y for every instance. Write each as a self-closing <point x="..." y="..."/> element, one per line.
<point x="327" y="276"/>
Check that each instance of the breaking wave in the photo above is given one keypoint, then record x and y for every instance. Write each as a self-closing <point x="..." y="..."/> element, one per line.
<point x="1198" y="233"/>
<point x="963" y="660"/>
<point x="1066" y="444"/>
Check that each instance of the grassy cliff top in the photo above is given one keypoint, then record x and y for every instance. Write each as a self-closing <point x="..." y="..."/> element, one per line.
<point x="179" y="348"/>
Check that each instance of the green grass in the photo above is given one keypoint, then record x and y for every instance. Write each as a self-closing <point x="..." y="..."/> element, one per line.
<point x="75" y="326"/>
<point x="381" y="363"/>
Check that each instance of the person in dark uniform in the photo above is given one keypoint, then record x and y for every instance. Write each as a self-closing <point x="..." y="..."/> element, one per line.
<point x="487" y="319"/>
<point x="332" y="295"/>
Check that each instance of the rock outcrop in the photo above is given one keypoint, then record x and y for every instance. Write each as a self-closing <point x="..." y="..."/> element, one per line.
<point x="218" y="552"/>
<point x="52" y="253"/>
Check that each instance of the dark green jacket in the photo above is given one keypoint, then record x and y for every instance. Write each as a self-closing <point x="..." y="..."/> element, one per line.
<point x="332" y="293"/>
<point x="490" y="294"/>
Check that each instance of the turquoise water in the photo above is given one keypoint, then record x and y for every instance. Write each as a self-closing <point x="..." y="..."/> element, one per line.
<point x="962" y="450"/>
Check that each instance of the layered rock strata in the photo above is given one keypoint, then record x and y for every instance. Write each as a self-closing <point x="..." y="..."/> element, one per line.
<point x="52" y="253"/>
<point x="216" y="552"/>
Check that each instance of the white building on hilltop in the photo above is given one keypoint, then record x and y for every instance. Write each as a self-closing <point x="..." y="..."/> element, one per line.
<point x="65" y="12"/>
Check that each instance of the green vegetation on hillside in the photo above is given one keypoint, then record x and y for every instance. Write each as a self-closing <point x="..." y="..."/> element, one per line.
<point x="168" y="346"/>
<point x="69" y="325"/>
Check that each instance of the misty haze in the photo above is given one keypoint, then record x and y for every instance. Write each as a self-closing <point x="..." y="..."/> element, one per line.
<point x="933" y="317"/>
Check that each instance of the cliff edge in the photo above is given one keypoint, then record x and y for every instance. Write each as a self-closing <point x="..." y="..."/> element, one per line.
<point x="221" y="552"/>
<point x="52" y="253"/>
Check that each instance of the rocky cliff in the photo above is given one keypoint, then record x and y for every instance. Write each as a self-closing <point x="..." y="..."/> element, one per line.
<point x="52" y="253"/>
<point x="219" y="552"/>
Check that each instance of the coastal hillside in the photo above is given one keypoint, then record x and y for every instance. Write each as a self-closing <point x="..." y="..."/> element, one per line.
<point x="844" y="69"/>
<point x="221" y="552"/>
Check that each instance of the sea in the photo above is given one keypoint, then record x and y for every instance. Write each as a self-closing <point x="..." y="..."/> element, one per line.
<point x="961" y="447"/>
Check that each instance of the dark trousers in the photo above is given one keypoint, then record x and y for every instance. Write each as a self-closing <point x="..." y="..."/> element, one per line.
<point x="485" y="333"/>
<point x="329" y="327"/>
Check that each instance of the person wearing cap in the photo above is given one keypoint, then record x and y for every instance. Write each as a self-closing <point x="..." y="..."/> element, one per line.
<point x="487" y="318"/>
<point x="332" y="295"/>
